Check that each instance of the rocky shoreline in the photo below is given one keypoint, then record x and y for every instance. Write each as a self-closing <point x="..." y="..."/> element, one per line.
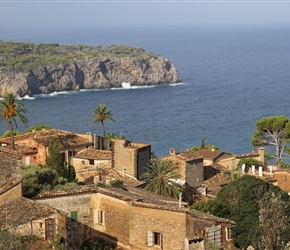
<point x="99" y="73"/>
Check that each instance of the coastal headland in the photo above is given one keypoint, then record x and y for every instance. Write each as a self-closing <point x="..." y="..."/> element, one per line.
<point x="31" y="69"/>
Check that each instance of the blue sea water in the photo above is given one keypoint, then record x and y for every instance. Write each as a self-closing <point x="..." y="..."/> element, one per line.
<point x="231" y="78"/>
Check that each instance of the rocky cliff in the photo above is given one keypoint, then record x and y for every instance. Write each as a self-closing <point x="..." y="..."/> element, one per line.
<point x="99" y="73"/>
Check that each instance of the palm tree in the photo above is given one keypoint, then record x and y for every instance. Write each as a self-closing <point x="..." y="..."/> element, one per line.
<point x="10" y="110"/>
<point x="160" y="178"/>
<point x="101" y="113"/>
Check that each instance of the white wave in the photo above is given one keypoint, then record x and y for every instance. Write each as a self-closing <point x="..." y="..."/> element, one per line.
<point x="176" y="84"/>
<point x="126" y="85"/>
<point x="26" y="97"/>
<point x="87" y="90"/>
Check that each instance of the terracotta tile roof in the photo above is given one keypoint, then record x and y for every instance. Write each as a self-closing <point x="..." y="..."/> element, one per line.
<point x="67" y="191"/>
<point x="42" y="133"/>
<point x="131" y="194"/>
<point x="94" y="154"/>
<point x="214" y="178"/>
<point x="185" y="156"/>
<point x="208" y="217"/>
<point x="210" y="154"/>
<point x="43" y="137"/>
<point x="22" y="210"/>
<point x="67" y="140"/>
<point x="5" y="151"/>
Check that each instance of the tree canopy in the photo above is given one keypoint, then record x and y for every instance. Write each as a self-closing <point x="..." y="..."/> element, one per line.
<point x="272" y="132"/>
<point x="160" y="178"/>
<point x="250" y="202"/>
<point x="203" y="146"/>
<point x="101" y="114"/>
<point x="11" y="109"/>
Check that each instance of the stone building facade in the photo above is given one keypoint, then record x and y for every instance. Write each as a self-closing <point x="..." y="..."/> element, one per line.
<point x="34" y="146"/>
<point x="136" y="219"/>
<point x="190" y="166"/>
<point x="130" y="158"/>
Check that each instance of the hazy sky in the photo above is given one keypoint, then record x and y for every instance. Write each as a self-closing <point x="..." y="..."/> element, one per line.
<point x="125" y="13"/>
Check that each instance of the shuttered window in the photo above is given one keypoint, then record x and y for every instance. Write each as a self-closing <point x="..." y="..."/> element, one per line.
<point x="49" y="229"/>
<point x="154" y="239"/>
<point x="74" y="215"/>
<point x="214" y="234"/>
<point x="99" y="217"/>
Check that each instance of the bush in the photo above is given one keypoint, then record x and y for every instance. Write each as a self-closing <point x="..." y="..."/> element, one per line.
<point x="117" y="184"/>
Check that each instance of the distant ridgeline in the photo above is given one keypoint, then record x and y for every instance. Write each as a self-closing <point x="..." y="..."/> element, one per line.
<point x="27" y="69"/>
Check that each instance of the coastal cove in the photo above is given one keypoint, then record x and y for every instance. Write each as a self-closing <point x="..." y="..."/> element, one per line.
<point x="231" y="78"/>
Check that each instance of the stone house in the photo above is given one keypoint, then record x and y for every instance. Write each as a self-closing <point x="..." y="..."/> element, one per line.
<point x="130" y="158"/>
<point x="34" y="146"/>
<point x="281" y="178"/>
<point x="190" y="166"/>
<point x="211" y="156"/>
<point x="22" y="216"/>
<point x="91" y="161"/>
<point x="136" y="219"/>
<point x="10" y="176"/>
<point x="231" y="162"/>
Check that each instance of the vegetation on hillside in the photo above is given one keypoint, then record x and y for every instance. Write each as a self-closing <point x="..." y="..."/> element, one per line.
<point x="260" y="210"/>
<point x="25" y="56"/>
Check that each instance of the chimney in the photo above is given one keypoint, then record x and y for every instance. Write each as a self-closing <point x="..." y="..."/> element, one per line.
<point x="261" y="152"/>
<point x="172" y="151"/>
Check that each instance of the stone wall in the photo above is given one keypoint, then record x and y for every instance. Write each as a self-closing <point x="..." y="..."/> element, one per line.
<point x="283" y="179"/>
<point x="117" y="217"/>
<point x="124" y="158"/>
<point x="171" y="225"/>
<point x="143" y="159"/>
<point x="14" y="193"/>
<point x="194" y="172"/>
<point x="82" y="229"/>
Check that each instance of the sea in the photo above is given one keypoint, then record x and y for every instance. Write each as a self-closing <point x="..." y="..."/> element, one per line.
<point x="231" y="77"/>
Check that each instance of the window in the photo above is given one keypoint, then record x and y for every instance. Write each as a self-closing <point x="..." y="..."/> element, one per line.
<point x="71" y="153"/>
<point x="214" y="234"/>
<point x="74" y="215"/>
<point x="49" y="229"/>
<point x="91" y="161"/>
<point x="154" y="239"/>
<point x="99" y="217"/>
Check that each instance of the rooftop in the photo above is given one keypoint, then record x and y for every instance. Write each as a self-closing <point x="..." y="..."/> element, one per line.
<point x="94" y="154"/>
<point x="209" y="153"/>
<point x="185" y="156"/>
<point x="22" y="210"/>
<point x="43" y="137"/>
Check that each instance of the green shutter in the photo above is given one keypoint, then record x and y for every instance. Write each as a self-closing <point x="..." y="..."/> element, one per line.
<point x="74" y="215"/>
